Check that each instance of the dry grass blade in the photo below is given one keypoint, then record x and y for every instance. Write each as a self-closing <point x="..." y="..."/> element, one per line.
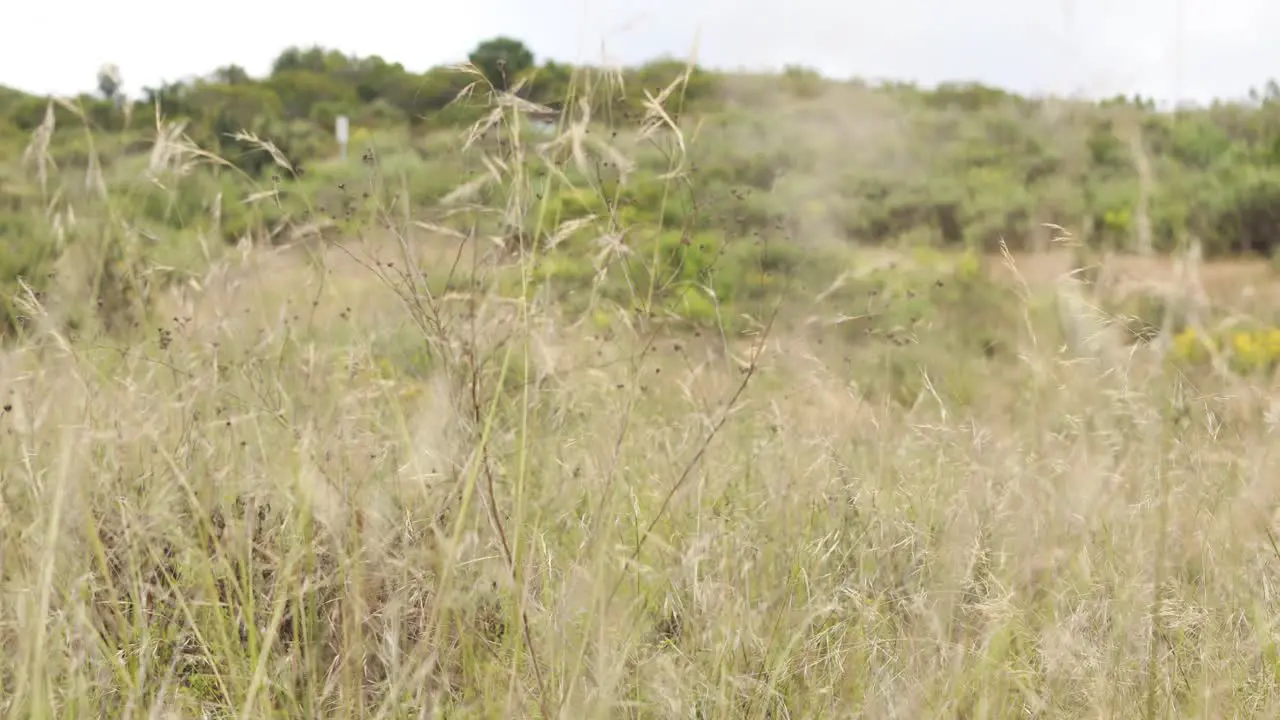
<point x="266" y="146"/>
<point x="656" y="117"/>
<point x="567" y="229"/>
<point x="466" y="192"/>
<point x="479" y="129"/>
<point x="37" y="150"/>
<point x="441" y="229"/>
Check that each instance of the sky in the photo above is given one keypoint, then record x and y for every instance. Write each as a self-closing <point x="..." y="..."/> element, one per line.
<point x="1172" y="50"/>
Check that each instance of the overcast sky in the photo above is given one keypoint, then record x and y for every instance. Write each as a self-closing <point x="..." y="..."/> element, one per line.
<point x="1170" y="49"/>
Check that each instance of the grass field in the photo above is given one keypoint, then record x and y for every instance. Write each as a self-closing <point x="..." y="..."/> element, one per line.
<point x="397" y="473"/>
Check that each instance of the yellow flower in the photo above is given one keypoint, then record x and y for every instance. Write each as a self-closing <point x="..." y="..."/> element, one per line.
<point x="1254" y="350"/>
<point x="1190" y="348"/>
<point x="1273" y="342"/>
<point x="1247" y="350"/>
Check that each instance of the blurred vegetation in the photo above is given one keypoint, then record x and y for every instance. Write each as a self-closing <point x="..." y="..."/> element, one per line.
<point x="784" y="168"/>
<point x="1253" y="349"/>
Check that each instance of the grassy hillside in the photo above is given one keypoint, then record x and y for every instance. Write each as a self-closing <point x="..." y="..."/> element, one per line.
<point x="725" y="397"/>
<point x="798" y="160"/>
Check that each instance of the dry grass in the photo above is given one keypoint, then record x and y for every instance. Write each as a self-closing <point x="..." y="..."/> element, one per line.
<point x="325" y="490"/>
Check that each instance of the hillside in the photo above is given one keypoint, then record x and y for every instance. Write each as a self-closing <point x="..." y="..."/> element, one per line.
<point x="794" y="156"/>
<point x="646" y="393"/>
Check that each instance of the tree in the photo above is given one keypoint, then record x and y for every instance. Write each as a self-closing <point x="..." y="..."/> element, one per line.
<point x="232" y="75"/>
<point x="550" y="86"/>
<point x="502" y="60"/>
<point x="109" y="82"/>
<point x="314" y="59"/>
<point x="300" y="90"/>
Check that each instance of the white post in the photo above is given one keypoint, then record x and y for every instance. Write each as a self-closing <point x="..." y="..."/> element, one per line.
<point x="342" y="128"/>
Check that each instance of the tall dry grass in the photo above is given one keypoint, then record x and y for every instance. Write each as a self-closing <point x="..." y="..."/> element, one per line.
<point x="361" y="484"/>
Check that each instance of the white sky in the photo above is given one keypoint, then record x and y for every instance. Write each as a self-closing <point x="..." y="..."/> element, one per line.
<point x="1170" y="49"/>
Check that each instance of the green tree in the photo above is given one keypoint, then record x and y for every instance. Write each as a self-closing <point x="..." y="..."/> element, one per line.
<point x="551" y="83"/>
<point x="301" y="90"/>
<point x="700" y="87"/>
<point x="231" y="75"/>
<point x="502" y="60"/>
<point x="222" y="111"/>
<point x="375" y="78"/>
<point x="109" y="82"/>
<point x="315" y="59"/>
